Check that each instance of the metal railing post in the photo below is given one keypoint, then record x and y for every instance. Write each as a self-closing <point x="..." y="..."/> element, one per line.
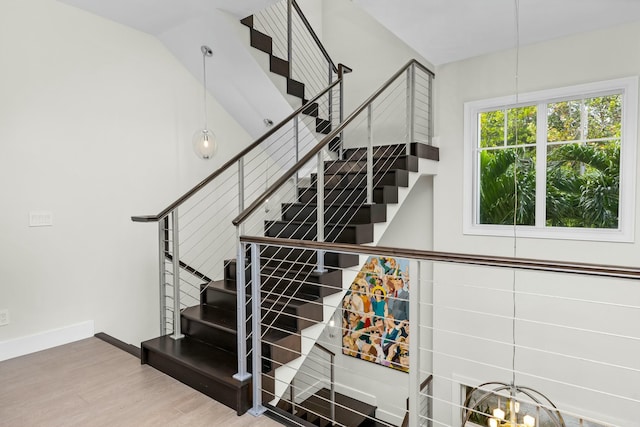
<point x="370" y="154"/>
<point x="292" y="396"/>
<point x="333" y="389"/>
<point x="341" y="112"/>
<point x="290" y="37"/>
<point x="162" y="273"/>
<point x="330" y="100"/>
<point x="411" y="74"/>
<point x="296" y="139"/>
<point x="430" y="106"/>
<point x="241" y="185"/>
<point x="320" y="211"/>
<point x="414" y="344"/>
<point x="177" y="333"/>
<point x="256" y="317"/>
<point x="241" y="312"/>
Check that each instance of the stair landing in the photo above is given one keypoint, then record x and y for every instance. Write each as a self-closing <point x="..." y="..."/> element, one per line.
<point x="189" y="360"/>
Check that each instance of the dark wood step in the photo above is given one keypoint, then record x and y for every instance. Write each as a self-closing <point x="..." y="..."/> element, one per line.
<point x="290" y="276"/>
<point x="248" y="21"/>
<point x="216" y="326"/>
<point x="312" y="109"/>
<point x="340" y="233"/>
<point x="404" y="162"/>
<point x="361" y="214"/>
<point x="279" y="66"/>
<point x="295" y="88"/>
<point x="350" y="197"/>
<point x="323" y="126"/>
<point x="349" y="412"/>
<point x="211" y="324"/>
<point x="286" y="307"/>
<point x="331" y="259"/>
<point x="397" y="177"/>
<point x="261" y="41"/>
<point x="190" y="361"/>
<point x="417" y="149"/>
<point x="284" y="416"/>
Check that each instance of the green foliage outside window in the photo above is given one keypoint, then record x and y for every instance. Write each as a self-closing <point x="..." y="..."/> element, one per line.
<point x="582" y="164"/>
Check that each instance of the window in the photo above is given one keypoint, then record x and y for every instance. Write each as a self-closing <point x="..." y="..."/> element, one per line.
<point x="558" y="164"/>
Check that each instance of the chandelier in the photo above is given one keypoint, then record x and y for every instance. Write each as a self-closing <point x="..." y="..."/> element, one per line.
<point x="513" y="413"/>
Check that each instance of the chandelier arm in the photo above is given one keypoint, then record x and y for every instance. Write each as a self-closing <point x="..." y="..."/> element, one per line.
<point x="503" y="386"/>
<point x="554" y="414"/>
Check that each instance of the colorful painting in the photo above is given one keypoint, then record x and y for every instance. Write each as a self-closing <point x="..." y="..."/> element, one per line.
<point x="375" y="314"/>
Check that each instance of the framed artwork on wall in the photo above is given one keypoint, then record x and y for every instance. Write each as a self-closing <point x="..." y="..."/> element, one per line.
<point x="375" y="314"/>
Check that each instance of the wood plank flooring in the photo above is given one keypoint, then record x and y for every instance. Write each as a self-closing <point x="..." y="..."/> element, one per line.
<point x="91" y="383"/>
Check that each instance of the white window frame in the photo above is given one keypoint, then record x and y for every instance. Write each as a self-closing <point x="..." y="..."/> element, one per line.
<point x="628" y="87"/>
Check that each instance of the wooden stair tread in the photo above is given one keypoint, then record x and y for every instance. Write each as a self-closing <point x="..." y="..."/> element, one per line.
<point x="356" y="413"/>
<point x="214" y="317"/>
<point x="210" y="361"/>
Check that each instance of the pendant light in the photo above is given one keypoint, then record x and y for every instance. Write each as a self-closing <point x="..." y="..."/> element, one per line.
<point x="524" y="406"/>
<point x="204" y="140"/>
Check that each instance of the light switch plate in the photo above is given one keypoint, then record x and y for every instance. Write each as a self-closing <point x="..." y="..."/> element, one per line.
<point x="4" y="317"/>
<point x="40" y="219"/>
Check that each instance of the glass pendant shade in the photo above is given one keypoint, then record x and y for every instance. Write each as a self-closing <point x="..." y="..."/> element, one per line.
<point x="205" y="144"/>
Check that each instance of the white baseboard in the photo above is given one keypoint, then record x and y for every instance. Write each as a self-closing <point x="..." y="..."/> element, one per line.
<point x="44" y="340"/>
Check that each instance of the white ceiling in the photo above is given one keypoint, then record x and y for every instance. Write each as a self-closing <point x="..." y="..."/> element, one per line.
<point x="449" y="30"/>
<point x="440" y="30"/>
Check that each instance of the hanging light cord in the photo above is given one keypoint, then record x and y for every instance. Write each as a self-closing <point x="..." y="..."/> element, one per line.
<point x="515" y="208"/>
<point x="204" y="85"/>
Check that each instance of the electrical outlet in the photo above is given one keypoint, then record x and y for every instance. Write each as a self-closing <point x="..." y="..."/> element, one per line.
<point x="4" y="317"/>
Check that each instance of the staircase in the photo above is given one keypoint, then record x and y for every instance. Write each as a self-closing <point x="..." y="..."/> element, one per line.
<point x="204" y="354"/>
<point x="206" y="358"/>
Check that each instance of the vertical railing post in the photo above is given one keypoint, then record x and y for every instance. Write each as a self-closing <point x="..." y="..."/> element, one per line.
<point x="341" y="108"/>
<point x="241" y="311"/>
<point x="333" y="389"/>
<point x="296" y="140"/>
<point x="430" y="107"/>
<point x="320" y="211"/>
<point x="414" y="343"/>
<point x="330" y="94"/>
<point x="370" y="154"/>
<point x="292" y="396"/>
<point x="241" y="298"/>
<point x="241" y="186"/>
<point x="411" y="74"/>
<point x="163" y="241"/>
<point x="256" y="317"/>
<point x="177" y="333"/>
<point x="290" y="37"/>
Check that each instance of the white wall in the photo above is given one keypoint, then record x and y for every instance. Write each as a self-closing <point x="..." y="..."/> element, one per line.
<point x="573" y="60"/>
<point x="356" y="39"/>
<point x="96" y="122"/>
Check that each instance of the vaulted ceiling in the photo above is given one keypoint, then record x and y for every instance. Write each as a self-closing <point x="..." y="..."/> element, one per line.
<point x="440" y="30"/>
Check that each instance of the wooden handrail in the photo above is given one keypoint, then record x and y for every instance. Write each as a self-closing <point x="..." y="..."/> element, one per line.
<point x="314" y="35"/>
<point x="284" y="178"/>
<point x="600" y="270"/>
<point x="228" y="164"/>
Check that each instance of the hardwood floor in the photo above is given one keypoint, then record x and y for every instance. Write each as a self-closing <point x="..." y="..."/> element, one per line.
<point x="91" y="383"/>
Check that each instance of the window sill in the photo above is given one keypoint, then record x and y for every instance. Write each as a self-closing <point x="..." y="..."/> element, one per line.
<point x="557" y="233"/>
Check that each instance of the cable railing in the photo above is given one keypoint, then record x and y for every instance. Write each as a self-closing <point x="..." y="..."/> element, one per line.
<point x="295" y="41"/>
<point x="562" y="330"/>
<point x="195" y="235"/>
<point x="340" y="201"/>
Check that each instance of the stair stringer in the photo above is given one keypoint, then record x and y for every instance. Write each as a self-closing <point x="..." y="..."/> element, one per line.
<point x="285" y="373"/>
<point x="307" y="127"/>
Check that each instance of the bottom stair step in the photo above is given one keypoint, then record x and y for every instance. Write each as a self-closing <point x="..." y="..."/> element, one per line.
<point x="349" y="412"/>
<point x="203" y="367"/>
